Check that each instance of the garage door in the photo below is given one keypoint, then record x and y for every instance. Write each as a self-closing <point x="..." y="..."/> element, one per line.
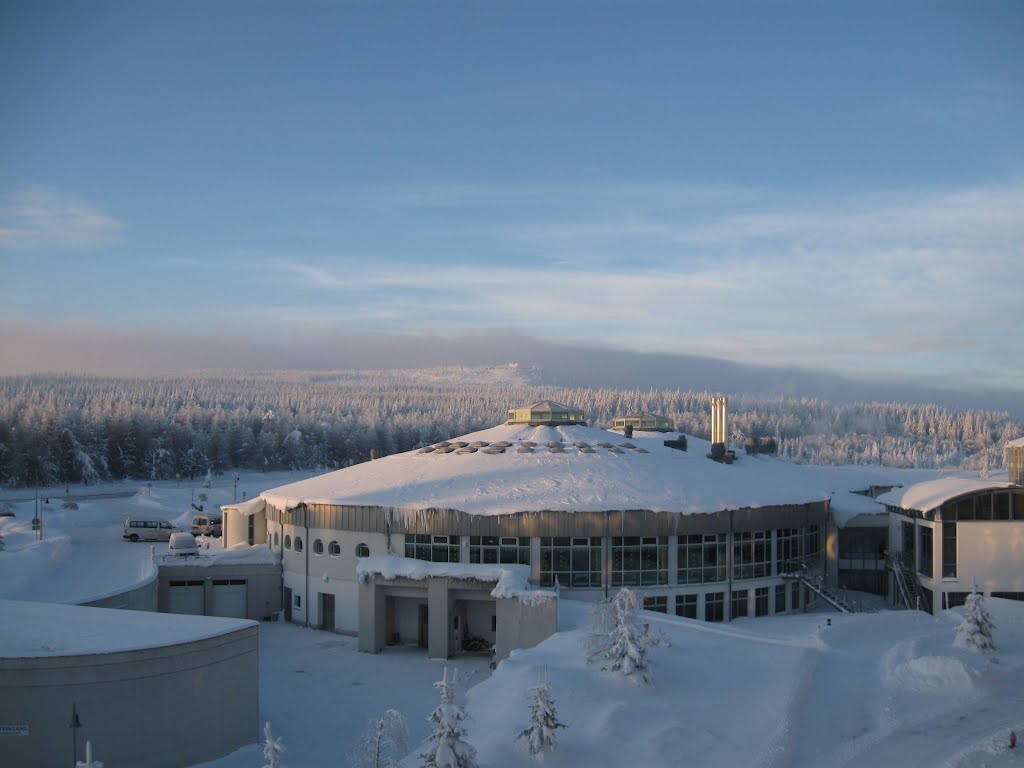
<point x="229" y="598"/>
<point x="187" y="597"/>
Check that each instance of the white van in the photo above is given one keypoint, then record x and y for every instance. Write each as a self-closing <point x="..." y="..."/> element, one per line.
<point x="206" y="525"/>
<point x="147" y="529"/>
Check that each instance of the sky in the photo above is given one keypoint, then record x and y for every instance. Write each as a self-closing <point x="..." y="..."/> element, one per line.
<point x="833" y="186"/>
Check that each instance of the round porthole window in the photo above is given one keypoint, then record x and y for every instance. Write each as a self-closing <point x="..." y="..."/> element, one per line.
<point x="362" y="550"/>
<point x="287" y="541"/>
<point x="298" y="543"/>
<point x="334" y="549"/>
<point x="318" y="547"/>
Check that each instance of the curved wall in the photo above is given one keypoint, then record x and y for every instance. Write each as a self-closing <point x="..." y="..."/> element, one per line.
<point x="164" y="707"/>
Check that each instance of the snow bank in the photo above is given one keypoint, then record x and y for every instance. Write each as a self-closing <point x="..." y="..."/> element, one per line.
<point x="512" y="580"/>
<point x="934" y="674"/>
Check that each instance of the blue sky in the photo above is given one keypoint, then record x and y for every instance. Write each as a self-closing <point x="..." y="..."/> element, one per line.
<point x="837" y="186"/>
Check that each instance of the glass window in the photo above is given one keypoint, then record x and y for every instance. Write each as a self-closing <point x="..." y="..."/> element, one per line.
<point x="738" y="606"/>
<point x="751" y="555"/>
<point x="362" y="550"/>
<point x="318" y="547"/>
<point x="949" y="550"/>
<point x="761" y="601"/>
<point x="701" y="558"/>
<point x="334" y="549"/>
<point x="436" y="549"/>
<point x="794" y="596"/>
<point x="780" y="598"/>
<point x="287" y="541"/>
<point x="572" y="562"/>
<point x="789" y="549"/>
<point x="639" y="560"/>
<point x="659" y="604"/>
<point x="275" y="539"/>
<point x="298" y="543"/>
<point x="983" y="506"/>
<point x="925" y="551"/>
<point x="495" y="549"/>
<point x="1001" y="502"/>
<point x="686" y="606"/>
<point x="714" y="606"/>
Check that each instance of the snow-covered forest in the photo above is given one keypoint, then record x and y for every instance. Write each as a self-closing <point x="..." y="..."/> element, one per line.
<point x="57" y="429"/>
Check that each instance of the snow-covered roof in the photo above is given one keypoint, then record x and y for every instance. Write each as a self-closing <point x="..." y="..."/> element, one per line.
<point x="589" y="469"/>
<point x="847" y="505"/>
<point x="510" y="580"/>
<point x="239" y="554"/>
<point x="1018" y="443"/>
<point x="48" y="629"/>
<point x="246" y="508"/>
<point x="930" y="494"/>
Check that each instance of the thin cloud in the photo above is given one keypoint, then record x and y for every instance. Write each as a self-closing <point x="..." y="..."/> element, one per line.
<point x="37" y="217"/>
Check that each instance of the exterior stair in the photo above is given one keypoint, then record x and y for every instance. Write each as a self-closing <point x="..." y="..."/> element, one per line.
<point x="906" y="582"/>
<point x="827" y="595"/>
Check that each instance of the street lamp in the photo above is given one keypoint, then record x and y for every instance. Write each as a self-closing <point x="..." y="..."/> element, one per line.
<point x="235" y="496"/>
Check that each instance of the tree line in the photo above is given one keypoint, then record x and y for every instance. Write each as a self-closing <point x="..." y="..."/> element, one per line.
<point x="58" y="429"/>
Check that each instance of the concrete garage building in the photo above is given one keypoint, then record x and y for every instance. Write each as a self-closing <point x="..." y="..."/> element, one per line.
<point x="147" y="689"/>
<point x="242" y="582"/>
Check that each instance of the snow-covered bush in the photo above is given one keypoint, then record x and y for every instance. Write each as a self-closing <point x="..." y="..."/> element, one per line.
<point x="975" y="631"/>
<point x="619" y="641"/>
<point x="383" y="743"/>
<point x="539" y="736"/>
<point x="446" y="746"/>
<point x="69" y="504"/>
<point x="272" y="748"/>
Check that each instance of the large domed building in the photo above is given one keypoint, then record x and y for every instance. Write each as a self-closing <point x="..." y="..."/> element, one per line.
<point x="575" y="508"/>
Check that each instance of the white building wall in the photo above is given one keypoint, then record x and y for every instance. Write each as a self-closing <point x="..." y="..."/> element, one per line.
<point x="327" y="574"/>
<point x="988" y="553"/>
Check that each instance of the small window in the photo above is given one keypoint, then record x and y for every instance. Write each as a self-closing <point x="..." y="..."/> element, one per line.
<point x="298" y="543"/>
<point x="287" y="541"/>
<point x="298" y="601"/>
<point x="362" y="550"/>
<point x="318" y="547"/>
<point x="334" y="549"/>
<point x="276" y="539"/>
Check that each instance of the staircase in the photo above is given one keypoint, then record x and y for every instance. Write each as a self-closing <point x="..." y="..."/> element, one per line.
<point x="827" y="595"/>
<point x="906" y="582"/>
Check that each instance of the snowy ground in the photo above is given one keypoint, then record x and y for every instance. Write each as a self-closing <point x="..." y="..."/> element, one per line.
<point x="65" y="566"/>
<point x="873" y="689"/>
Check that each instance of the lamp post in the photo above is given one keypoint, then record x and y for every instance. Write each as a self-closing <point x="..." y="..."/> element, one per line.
<point x="235" y="495"/>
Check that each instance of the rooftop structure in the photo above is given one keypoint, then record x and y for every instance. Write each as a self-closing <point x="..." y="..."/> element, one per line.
<point x="644" y="422"/>
<point x="547" y="413"/>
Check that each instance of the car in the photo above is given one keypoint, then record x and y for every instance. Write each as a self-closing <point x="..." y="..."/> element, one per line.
<point x="182" y="543"/>
<point x="147" y="529"/>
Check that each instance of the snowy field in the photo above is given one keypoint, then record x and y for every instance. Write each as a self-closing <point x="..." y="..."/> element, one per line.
<point x="873" y="689"/>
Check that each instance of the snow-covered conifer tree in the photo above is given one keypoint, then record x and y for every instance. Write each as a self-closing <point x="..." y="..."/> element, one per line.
<point x="383" y="743"/>
<point x="618" y="639"/>
<point x="975" y="631"/>
<point x="272" y="748"/>
<point x="446" y="747"/>
<point x="539" y="737"/>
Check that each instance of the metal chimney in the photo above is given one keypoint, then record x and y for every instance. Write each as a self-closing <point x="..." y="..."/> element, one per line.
<point x="719" y="420"/>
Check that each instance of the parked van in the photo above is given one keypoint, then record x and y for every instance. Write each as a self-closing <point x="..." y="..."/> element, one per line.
<point x="147" y="529"/>
<point x="206" y="525"/>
